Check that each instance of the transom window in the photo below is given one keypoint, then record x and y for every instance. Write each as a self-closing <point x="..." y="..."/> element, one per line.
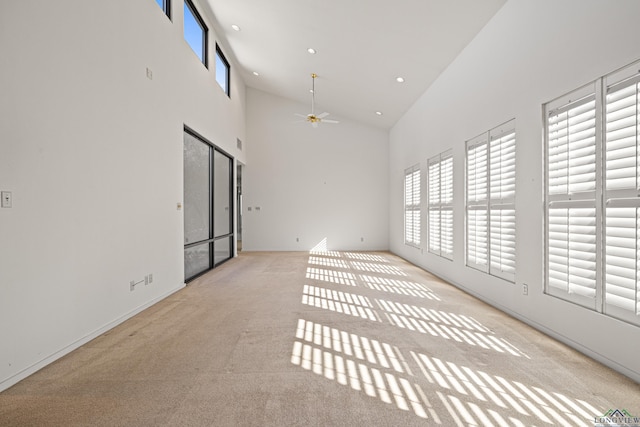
<point x="222" y="71"/>
<point x="195" y="31"/>
<point x="165" y="5"/>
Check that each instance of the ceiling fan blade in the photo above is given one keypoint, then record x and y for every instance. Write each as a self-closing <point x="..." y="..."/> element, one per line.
<point x="300" y="115"/>
<point x="323" y="115"/>
<point x="330" y="121"/>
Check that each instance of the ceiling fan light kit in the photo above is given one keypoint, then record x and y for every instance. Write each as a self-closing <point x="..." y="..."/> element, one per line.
<point x="312" y="117"/>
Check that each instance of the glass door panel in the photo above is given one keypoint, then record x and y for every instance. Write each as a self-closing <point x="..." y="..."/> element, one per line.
<point x="222" y="202"/>
<point x="222" y="249"/>
<point x="208" y="206"/>
<point x="197" y="259"/>
<point x="197" y="190"/>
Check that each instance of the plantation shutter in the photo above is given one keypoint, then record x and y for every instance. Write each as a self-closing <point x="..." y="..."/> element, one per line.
<point x="572" y="148"/>
<point x="622" y="254"/>
<point x="441" y="205"/>
<point x="621" y="137"/>
<point x="592" y="195"/>
<point x="446" y="211"/>
<point x="477" y="203"/>
<point x="572" y="251"/>
<point x="622" y="206"/>
<point x="412" y="206"/>
<point x="502" y="214"/>
<point x="571" y="208"/>
<point x="502" y="180"/>
<point x="435" y="241"/>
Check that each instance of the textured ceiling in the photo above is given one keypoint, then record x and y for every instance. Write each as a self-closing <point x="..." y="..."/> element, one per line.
<point x="362" y="46"/>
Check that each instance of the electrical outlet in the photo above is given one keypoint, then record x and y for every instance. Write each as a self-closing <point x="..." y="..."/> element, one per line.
<point x="149" y="74"/>
<point x="525" y="289"/>
<point x="6" y="199"/>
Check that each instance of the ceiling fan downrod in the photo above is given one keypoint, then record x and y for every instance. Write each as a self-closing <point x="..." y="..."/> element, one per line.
<point x="313" y="94"/>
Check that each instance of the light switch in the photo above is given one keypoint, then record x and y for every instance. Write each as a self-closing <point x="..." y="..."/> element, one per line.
<point x="6" y="199"/>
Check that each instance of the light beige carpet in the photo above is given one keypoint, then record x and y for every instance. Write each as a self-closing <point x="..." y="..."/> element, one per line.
<point x="320" y="339"/>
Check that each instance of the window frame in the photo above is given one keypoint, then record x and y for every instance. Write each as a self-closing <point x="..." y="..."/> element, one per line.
<point x="439" y="201"/>
<point x="227" y="68"/>
<point x="412" y="208"/>
<point x="203" y="27"/>
<point x="618" y="198"/>
<point x="614" y="199"/>
<point x="165" y="6"/>
<point x="490" y="244"/>
<point x="569" y="204"/>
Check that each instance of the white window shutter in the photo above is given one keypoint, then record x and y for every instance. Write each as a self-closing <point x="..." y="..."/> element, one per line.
<point x="571" y="148"/>
<point x="446" y="208"/>
<point x="502" y="160"/>
<point x="592" y="195"/>
<point x="571" y="254"/>
<point x="477" y="203"/>
<point x="502" y="189"/>
<point x="622" y="250"/>
<point x="440" y="198"/>
<point x="570" y="198"/>
<point x="621" y="137"/>
<point x="412" y="206"/>
<point x="622" y="207"/>
<point x="477" y="172"/>
<point x="434" y="206"/>
<point x="491" y="189"/>
<point x="503" y="243"/>
<point x="477" y="238"/>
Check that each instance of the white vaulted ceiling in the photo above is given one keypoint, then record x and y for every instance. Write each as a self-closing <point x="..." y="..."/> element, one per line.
<point x="362" y="47"/>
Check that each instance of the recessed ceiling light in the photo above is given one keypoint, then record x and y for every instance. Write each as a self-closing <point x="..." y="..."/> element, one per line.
<point x="235" y="27"/>
<point x="379" y="113"/>
<point x="400" y="79"/>
<point x="255" y="73"/>
<point x="311" y="50"/>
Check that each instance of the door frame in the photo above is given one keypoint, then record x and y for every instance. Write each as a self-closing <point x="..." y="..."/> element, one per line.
<point x="231" y="215"/>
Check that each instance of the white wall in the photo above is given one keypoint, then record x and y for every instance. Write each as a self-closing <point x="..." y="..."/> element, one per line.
<point x="92" y="152"/>
<point x="311" y="184"/>
<point x="531" y="52"/>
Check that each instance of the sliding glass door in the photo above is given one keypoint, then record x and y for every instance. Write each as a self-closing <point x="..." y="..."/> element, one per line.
<point x="222" y="207"/>
<point x="208" y="206"/>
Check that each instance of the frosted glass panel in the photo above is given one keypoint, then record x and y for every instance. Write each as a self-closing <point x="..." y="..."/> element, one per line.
<point x="222" y="194"/>
<point x="196" y="260"/>
<point x="221" y="250"/>
<point x="196" y="190"/>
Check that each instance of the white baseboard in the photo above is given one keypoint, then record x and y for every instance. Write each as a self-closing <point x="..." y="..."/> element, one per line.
<point x="16" y="378"/>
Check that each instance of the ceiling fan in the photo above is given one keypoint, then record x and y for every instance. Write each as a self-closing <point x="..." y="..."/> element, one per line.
<point x="312" y="117"/>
